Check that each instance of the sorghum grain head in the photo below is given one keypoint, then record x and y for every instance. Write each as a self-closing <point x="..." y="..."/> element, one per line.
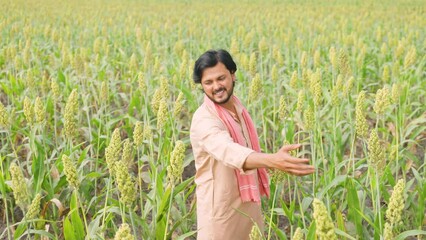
<point x="178" y="106"/>
<point x="56" y="92"/>
<point x="298" y="235"/>
<point x="4" y="116"/>
<point x="309" y="118"/>
<point x="382" y="100"/>
<point x="19" y="186"/>
<point x="282" y="108"/>
<point x="360" y="117"/>
<point x="28" y="110"/>
<point x="104" y="92"/>
<point x="141" y="82"/>
<point x="113" y="151"/>
<point x="386" y="74"/>
<point x="162" y="114"/>
<point x="395" y="93"/>
<point x="317" y="59"/>
<point x="255" y="88"/>
<point x="410" y="58"/>
<point x="344" y="66"/>
<point x="376" y="153"/>
<point x="315" y="86"/>
<point x="293" y="80"/>
<point x="138" y="134"/>
<point x="348" y="87"/>
<point x="388" y="232"/>
<point x="253" y="64"/>
<point x="125" y="183"/>
<point x="304" y="60"/>
<point x="147" y="132"/>
<point x="127" y="156"/>
<point x="164" y="86"/>
<point x="70" y="172"/>
<point x="39" y="111"/>
<point x="399" y="50"/>
<point x="133" y="63"/>
<point x="71" y="110"/>
<point x="175" y="168"/>
<point x="396" y="204"/>
<point x="124" y="233"/>
<point x="300" y="101"/>
<point x="34" y="209"/>
<point x="156" y="99"/>
<point x="324" y="225"/>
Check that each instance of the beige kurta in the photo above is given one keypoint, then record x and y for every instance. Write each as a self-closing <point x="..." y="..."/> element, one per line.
<point x="220" y="212"/>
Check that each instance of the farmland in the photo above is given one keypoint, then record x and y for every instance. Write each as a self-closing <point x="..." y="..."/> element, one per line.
<point x="96" y="101"/>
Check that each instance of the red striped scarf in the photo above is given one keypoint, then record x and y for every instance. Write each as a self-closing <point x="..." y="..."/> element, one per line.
<point x="248" y="188"/>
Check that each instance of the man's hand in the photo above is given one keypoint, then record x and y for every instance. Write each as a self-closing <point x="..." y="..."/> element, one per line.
<point x="281" y="160"/>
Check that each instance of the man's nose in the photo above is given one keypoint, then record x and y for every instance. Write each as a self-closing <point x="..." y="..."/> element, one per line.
<point x="216" y="85"/>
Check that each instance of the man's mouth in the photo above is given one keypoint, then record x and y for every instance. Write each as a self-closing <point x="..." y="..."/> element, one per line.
<point x="218" y="92"/>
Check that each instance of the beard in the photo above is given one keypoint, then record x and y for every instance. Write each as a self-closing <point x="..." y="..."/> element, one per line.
<point x="230" y="93"/>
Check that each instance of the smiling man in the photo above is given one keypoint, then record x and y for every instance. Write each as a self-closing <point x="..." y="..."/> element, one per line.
<point x="231" y="170"/>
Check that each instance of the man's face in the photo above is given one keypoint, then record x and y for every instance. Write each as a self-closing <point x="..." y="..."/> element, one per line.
<point x="218" y="83"/>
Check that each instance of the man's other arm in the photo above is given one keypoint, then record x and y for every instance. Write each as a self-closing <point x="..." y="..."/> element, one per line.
<point x="280" y="160"/>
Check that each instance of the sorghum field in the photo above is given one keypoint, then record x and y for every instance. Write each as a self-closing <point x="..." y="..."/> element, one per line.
<point x="96" y="102"/>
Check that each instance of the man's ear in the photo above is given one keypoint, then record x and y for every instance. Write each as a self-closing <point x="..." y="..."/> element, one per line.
<point x="233" y="77"/>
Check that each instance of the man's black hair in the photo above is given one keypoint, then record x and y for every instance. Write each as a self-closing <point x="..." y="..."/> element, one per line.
<point x="210" y="59"/>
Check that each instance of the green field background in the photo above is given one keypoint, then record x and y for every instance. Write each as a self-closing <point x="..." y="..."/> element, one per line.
<point x="96" y="101"/>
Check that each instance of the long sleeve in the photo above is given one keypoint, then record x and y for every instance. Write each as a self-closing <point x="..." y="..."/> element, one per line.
<point x="213" y="137"/>
<point x="220" y="212"/>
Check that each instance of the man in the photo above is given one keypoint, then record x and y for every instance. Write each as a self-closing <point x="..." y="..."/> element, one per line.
<point x="231" y="173"/>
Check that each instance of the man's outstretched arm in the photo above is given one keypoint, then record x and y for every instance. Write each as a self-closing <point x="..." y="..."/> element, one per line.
<point x="280" y="160"/>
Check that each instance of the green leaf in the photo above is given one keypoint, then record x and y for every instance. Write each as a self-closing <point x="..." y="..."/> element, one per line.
<point x="186" y="235"/>
<point x="134" y="103"/>
<point x="61" y="76"/>
<point x="41" y="233"/>
<point x="421" y="189"/>
<point x="37" y="167"/>
<point x="2" y="183"/>
<point x="161" y="219"/>
<point x="75" y="217"/>
<point x="289" y="211"/>
<point x="93" y="175"/>
<point x="306" y="202"/>
<point x="182" y="186"/>
<point x="164" y="203"/>
<point x="179" y="222"/>
<point x="160" y="228"/>
<point x="376" y="225"/>
<point x="336" y="181"/>
<point x="340" y="221"/>
<point x="417" y="123"/>
<point x="83" y="155"/>
<point x="353" y="206"/>
<point x="22" y="227"/>
<point x="311" y="231"/>
<point x="280" y="233"/>
<point x="341" y="233"/>
<point x="94" y="227"/>
<point x="69" y="233"/>
<point x="410" y="233"/>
